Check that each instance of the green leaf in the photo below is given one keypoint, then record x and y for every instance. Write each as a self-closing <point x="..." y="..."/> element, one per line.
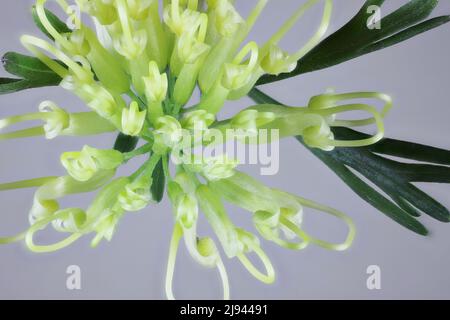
<point x="386" y="175"/>
<point x="125" y="143"/>
<point x="369" y="194"/>
<point x="407" y="15"/>
<point x="406" y="206"/>
<point x="394" y="178"/>
<point x="398" y="148"/>
<point x="8" y="85"/>
<point x="159" y="182"/>
<point x="60" y="26"/>
<point x="406" y="34"/>
<point x="30" y="68"/>
<point x="355" y="39"/>
<point x="33" y="73"/>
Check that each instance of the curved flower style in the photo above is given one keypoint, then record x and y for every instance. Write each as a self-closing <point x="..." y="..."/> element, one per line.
<point x="136" y="73"/>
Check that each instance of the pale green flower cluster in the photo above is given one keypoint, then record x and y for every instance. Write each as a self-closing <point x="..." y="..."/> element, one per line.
<point x="137" y="73"/>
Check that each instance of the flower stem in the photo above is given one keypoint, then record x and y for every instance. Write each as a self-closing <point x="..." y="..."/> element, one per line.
<point x="31" y="183"/>
<point x="140" y="151"/>
<point x="147" y="168"/>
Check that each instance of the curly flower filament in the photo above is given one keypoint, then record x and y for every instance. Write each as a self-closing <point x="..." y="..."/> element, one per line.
<point x="136" y="73"/>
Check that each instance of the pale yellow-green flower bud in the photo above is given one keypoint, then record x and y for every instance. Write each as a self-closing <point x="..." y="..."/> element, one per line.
<point x="106" y="226"/>
<point x="131" y="41"/>
<point x="136" y="195"/>
<point x="156" y="84"/>
<point x="220" y="167"/>
<point x="228" y="20"/>
<point x="198" y="120"/>
<point x="251" y="120"/>
<point x="168" y="131"/>
<point x="247" y="240"/>
<point x="237" y="74"/>
<point x="102" y="101"/>
<point x="133" y="120"/>
<point x="323" y="101"/>
<point x="132" y="47"/>
<point x="266" y="221"/>
<point x="84" y="164"/>
<point x="56" y="122"/>
<point x="105" y="212"/>
<point x="191" y="43"/>
<point x="206" y="247"/>
<point x="70" y="220"/>
<point x="96" y="96"/>
<point x="277" y="61"/>
<point x="190" y="49"/>
<point x="319" y="136"/>
<point x="179" y="19"/>
<point x="187" y="211"/>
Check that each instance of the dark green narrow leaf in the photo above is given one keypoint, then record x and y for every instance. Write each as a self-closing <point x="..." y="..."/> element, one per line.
<point x="406" y="34"/>
<point x="398" y="148"/>
<point x="425" y="203"/>
<point x="369" y="194"/>
<point x="261" y="98"/>
<point x="30" y="68"/>
<point x="378" y="170"/>
<point x="424" y="172"/>
<point x="406" y="206"/>
<point x="60" y="26"/>
<point x="8" y="85"/>
<point x="159" y="182"/>
<point x="354" y="39"/>
<point x="33" y="72"/>
<point x="362" y="15"/>
<point x="413" y="151"/>
<point x="414" y="11"/>
<point x="125" y="143"/>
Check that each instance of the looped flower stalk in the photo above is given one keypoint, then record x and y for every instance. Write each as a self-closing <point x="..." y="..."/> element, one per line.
<point x="58" y="122"/>
<point x="315" y="121"/>
<point x="137" y="72"/>
<point x="202" y="250"/>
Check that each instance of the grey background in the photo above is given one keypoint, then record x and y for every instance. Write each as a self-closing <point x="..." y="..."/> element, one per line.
<point x="133" y="264"/>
